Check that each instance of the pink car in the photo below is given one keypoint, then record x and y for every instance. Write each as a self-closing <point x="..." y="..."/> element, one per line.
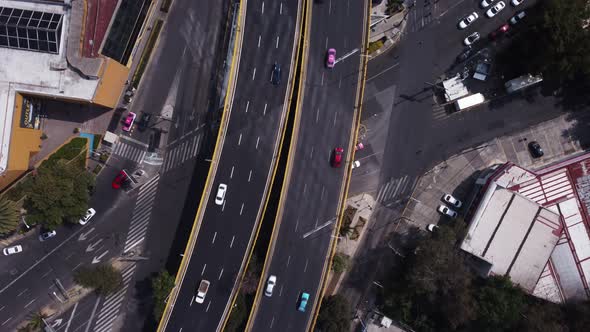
<point x="128" y="123"/>
<point x="331" y="58"/>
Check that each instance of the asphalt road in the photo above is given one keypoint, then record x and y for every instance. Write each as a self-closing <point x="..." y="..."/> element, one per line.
<point x="407" y="136"/>
<point x="144" y="217"/>
<point x="245" y="164"/>
<point x="312" y="198"/>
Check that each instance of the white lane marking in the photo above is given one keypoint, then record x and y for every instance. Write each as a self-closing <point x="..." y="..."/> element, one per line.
<point x="214" y="237"/>
<point x="192" y="300"/>
<point x="231" y="244"/>
<point x="322" y="81"/>
<point x="326" y="42"/>
<point x="262" y="13"/>
<point x="247" y="106"/>
<point x="220" y="274"/>
<point x="272" y="321"/>
<point x="21" y="293"/>
<point x="281" y="9"/>
<point x="305" y="268"/>
<point x="203" y="271"/>
<point x="259" y="38"/>
<point x="28" y="304"/>
<point x="311" y="153"/>
<point x="322" y="194"/>
<point x="231" y="174"/>
<point x="281" y="291"/>
<point x="330" y="8"/>
<point x="71" y="317"/>
<point x="296" y="224"/>
<point x="223" y="206"/>
<point x="288" y="260"/>
<point x="242" y="209"/>
<point x="240" y="140"/>
<point x="254" y="74"/>
<point x="257" y="141"/>
<point x="92" y="315"/>
<point x="131" y="246"/>
<point x="304" y="188"/>
<point x="2" y="307"/>
<point x="45" y="275"/>
<point x="317" y="116"/>
<point x="6" y="321"/>
<point x="277" y="46"/>
<point x="335" y="115"/>
<point x="264" y="112"/>
<point x="250" y="176"/>
<point x="208" y="305"/>
<point x="77" y="266"/>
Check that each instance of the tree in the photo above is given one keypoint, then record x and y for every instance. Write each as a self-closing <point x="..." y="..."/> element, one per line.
<point x="9" y="216"/>
<point x="60" y="192"/>
<point x="500" y="304"/>
<point x="340" y="263"/>
<point x="162" y="285"/>
<point x="105" y="279"/>
<point x="35" y="322"/>
<point x="335" y="314"/>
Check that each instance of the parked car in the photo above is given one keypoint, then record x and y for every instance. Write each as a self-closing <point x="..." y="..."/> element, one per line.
<point x="275" y="75"/>
<point x="486" y="3"/>
<point x="220" y="197"/>
<point x="337" y="157"/>
<point x="303" y="302"/>
<point x="270" y="285"/>
<point x="517" y="18"/>
<point x="516" y="2"/>
<point x="331" y="58"/>
<point x="128" y="123"/>
<point x="446" y="211"/>
<point x="499" y="32"/>
<point x="144" y="121"/>
<point x="467" y="20"/>
<point x="202" y="291"/>
<point x="12" y="250"/>
<point x="119" y="179"/>
<point x="452" y="200"/>
<point x="496" y="9"/>
<point x="356" y="164"/>
<point x="47" y="235"/>
<point x="431" y="227"/>
<point x="359" y="146"/>
<point x="535" y="149"/>
<point x="472" y="38"/>
<point x="464" y="55"/>
<point x="89" y="214"/>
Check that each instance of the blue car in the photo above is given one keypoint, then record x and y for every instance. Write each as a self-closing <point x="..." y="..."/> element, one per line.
<point x="303" y="302"/>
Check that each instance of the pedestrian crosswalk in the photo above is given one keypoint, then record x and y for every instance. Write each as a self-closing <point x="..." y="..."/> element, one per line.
<point x="113" y="302"/>
<point x="129" y="151"/>
<point x="142" y="214"/>
<point x="182" y="152"/>
<point x="395" y="190"/>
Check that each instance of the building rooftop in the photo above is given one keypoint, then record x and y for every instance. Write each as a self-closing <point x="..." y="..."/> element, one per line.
<point x="559" y="190"/>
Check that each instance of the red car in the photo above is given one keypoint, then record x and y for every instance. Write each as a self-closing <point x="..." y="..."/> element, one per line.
<point x="499" y="32"/>
<point x="128" y="123"/>
<point x="331" y="58"/>
<point x="119" y="180"/>
<point x="337" y="157"/>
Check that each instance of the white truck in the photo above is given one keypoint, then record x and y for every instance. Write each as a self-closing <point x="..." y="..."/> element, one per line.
<point x="202" y="291"/>
<point x="469" y="101"/>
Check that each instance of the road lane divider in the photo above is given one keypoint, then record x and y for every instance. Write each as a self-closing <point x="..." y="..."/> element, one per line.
<point x="233" y="73"/>
<point x="346" y="183"/>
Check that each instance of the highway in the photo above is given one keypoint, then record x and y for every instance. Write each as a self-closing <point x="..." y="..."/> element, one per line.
<point x="311" y="202"/>
<point x="245" y="165"/>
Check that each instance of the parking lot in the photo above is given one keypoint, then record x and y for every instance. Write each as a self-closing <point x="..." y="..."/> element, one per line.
<point x="457" y="175"/>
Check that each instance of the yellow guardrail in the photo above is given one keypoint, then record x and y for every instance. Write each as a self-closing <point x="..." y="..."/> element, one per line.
<point x="208" y="183"/>
<point x="346" y="183"/>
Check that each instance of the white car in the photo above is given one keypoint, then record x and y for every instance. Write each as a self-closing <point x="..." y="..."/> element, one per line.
<point x="431" y="227"/>
<point x="517" y="18"/>
<point x="452" y="200"/>
<point x="356" y="164"/>
<point x="516" y="2"/>
<point x="202" y="291"/>
<point x="495" y="9"/>
<point x="12" y="250"/>
<point x="220" y="198"/>
<point x="486" y="3"/>
<point x="270" y="285"/>
<point x="446" y="211"/>
<point x="466" y="21"/>
<point x="472" y="38"/>
<point x="89" y="214"/>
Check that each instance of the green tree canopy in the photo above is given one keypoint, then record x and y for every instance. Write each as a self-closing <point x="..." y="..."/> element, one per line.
<point x="335" y="314"/>
<point x="60" y="192"/>
<point x="500" y="304"/>
<point x="162" y="284"/>
<point x="104" y="278"/>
